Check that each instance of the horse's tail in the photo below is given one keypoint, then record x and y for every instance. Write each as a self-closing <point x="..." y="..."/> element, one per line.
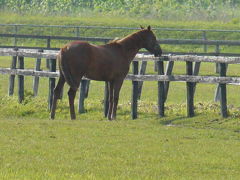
<point x="63" y="67"/>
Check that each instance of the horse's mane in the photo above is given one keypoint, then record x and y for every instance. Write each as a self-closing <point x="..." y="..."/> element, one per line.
<point x="113" y="43"/>
<point x="117" y="39"/>
<point x="132" y="36"/>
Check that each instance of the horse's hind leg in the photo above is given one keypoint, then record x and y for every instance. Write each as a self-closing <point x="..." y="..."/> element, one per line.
<point x="57" y="94"/>
<point x="110" y="100"/>
<point x="71" y="96"/>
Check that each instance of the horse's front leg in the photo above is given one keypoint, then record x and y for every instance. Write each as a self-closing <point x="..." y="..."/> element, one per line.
<point x="116" y="88"/>
<point x="110" y="100"/>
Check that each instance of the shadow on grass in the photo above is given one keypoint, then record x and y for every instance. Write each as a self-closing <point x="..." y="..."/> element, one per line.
<point x="171" y="121"/>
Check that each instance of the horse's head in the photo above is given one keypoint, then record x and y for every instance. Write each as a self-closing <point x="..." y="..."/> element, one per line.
<point x="150" y="42"/>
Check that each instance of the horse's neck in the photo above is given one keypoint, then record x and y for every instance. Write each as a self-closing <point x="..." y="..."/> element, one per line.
<point x="131" y="44"/>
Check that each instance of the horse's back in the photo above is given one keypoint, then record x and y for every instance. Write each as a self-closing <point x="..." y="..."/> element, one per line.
<point x="104" y="62"/>
<point x="76" y="48"/>
<point x="77" y="54"/>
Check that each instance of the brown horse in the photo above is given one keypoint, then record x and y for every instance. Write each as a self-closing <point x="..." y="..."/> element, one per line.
<point x="108" y="63"/>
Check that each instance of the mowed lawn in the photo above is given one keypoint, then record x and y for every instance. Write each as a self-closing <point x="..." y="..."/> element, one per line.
<point x="122" y="149"/>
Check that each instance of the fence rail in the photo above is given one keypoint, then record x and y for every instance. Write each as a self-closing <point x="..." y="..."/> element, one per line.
<point x="163" y="78"/>
<point x="132" y="77"/>
<point x="203" y="42"/>
<point x="76" y="31"/>
<point x="107" y="39"/>
<point x="111" y="27"/>
<point x="51" y="54"/>
<point x="77" y="35"/>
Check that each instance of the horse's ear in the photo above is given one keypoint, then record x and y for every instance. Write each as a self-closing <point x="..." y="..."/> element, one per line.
<point x="149" y="28"/>
<point x="141" y="27"/>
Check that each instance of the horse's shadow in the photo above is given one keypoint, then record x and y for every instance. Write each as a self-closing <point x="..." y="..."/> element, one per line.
<point x="166" y="120"/>
<point x="170" y="121"/>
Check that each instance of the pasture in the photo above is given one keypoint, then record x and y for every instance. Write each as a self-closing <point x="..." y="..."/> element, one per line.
<point x="174" y="147"/>
<point x="123" y="149"/>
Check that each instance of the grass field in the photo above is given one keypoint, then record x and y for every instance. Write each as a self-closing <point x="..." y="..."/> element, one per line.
<point x="125" y="149"/>
<point x="174" y="147"/>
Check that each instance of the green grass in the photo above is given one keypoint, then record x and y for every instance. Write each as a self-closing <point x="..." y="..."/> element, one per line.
<point x="125" y="149"/>
<point x="207" y="111"/>
<point x="174" y="147"/>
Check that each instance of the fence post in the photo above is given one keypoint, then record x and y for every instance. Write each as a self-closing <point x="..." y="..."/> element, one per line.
<point x="195" y="73"/>
<point x="36" y="79"/>
<point x="204" y="36"/>
<point x="87" y="88"/>
<point x="77" y="32"/>
<point x="15" y="32"/>
<point x="51" y="82"/>
<point x="134" y="91"/>
<point x="48" y="46"/>
<point x="223" y="91"/>
<point x="169" y="68"/>
<point x="217" y="50"/>
<point x="141" y="72"/>
<point x="217" y="96"/>
<point x="155" y="66"/>
<point x="190" y="89"/>
<point x="20" y="80"/>
<point x="197" y="64"/>
<point x="106" y="98"/>
<point x="82" y="96"/>
<point x="161" y="93"/>
<point x="12" y="77"/>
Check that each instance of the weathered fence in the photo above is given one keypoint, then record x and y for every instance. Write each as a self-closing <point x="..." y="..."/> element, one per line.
<point x="76" y="33"/>
<point x="163" y="78"/>
<point x="77" y="30"/>
<point x="204" y="42"/>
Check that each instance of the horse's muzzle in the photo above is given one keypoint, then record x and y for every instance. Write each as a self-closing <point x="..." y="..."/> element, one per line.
<point x="157" y="51"/>
<point x="158" y="54"/>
